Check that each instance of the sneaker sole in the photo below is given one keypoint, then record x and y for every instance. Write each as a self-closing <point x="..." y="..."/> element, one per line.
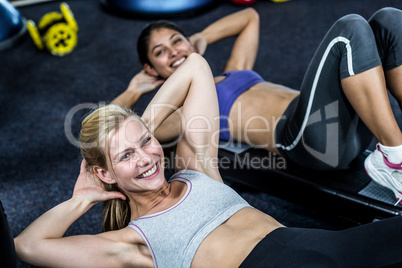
<point x="379" y="178"/>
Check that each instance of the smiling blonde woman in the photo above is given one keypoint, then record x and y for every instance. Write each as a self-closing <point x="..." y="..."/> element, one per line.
<point x="190" y="220"/>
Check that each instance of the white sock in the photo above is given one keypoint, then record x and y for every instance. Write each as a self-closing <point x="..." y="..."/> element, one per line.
<point x="393" y="153"/>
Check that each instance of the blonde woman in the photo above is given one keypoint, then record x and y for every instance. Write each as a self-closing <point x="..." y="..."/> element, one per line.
<point x="192" y="219"/>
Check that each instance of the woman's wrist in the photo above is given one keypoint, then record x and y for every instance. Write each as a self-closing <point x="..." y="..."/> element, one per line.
<point x="133" y="88"/>
<point x="81" y="203"/>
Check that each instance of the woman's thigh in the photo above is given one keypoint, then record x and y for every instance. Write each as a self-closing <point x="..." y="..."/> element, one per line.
<point x="323" y="131"/>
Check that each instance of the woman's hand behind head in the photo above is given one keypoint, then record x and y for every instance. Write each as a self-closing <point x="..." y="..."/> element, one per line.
<point x="144" y="83"/>
<point x="89" y="187"/>
<point x="199" y="43"/>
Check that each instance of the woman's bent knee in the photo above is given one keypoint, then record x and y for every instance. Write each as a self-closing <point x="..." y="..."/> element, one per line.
<point x="387" y="17"/>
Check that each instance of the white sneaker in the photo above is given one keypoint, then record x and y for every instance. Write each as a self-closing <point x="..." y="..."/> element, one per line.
<point x="385" y="173"/>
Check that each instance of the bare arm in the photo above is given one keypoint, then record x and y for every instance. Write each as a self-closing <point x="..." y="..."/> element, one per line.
<point x="42" y="243"/>
<point x="170" y="129"/>
<point x="244" y="24"/>
<point x="139" y="85"/>
<point x="191" y="87"/>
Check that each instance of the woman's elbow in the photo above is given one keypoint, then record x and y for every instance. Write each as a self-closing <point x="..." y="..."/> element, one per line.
<point x="23" y="248"/>
<point x="253" y="14"/>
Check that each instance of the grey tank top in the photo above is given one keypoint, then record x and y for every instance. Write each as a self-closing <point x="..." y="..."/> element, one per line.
<point x="174" y="235"/>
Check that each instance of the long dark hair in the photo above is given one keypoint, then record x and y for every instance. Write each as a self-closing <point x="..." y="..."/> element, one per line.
<point x="145" y="35"/>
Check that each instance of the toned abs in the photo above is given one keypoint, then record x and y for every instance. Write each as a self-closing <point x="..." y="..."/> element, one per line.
<point x="255" y="114"/>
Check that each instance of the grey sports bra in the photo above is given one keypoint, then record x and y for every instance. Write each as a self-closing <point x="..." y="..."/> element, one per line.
<point x="174" y="235"/>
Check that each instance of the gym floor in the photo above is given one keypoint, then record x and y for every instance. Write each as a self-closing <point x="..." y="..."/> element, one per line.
<point x="44" y="97"/>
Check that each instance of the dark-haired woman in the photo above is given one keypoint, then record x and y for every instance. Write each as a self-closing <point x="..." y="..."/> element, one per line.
<point x="341" y="105"/>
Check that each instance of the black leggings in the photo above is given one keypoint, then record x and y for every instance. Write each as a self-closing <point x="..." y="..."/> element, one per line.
<point x="377" y="244"/>
<point x="320" y="129"/>
<point x="7" y="250"/>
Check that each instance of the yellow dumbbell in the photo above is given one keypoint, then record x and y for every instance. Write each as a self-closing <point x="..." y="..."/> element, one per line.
<point x="56" y="31"/>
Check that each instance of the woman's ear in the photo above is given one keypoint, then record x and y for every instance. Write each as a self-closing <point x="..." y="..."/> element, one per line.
<point x="150" y="70"/>
<point x="104" y="175"/>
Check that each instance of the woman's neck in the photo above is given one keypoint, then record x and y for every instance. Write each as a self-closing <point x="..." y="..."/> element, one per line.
<point x="169" y="195"/>
<point x="142" y="204"/>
